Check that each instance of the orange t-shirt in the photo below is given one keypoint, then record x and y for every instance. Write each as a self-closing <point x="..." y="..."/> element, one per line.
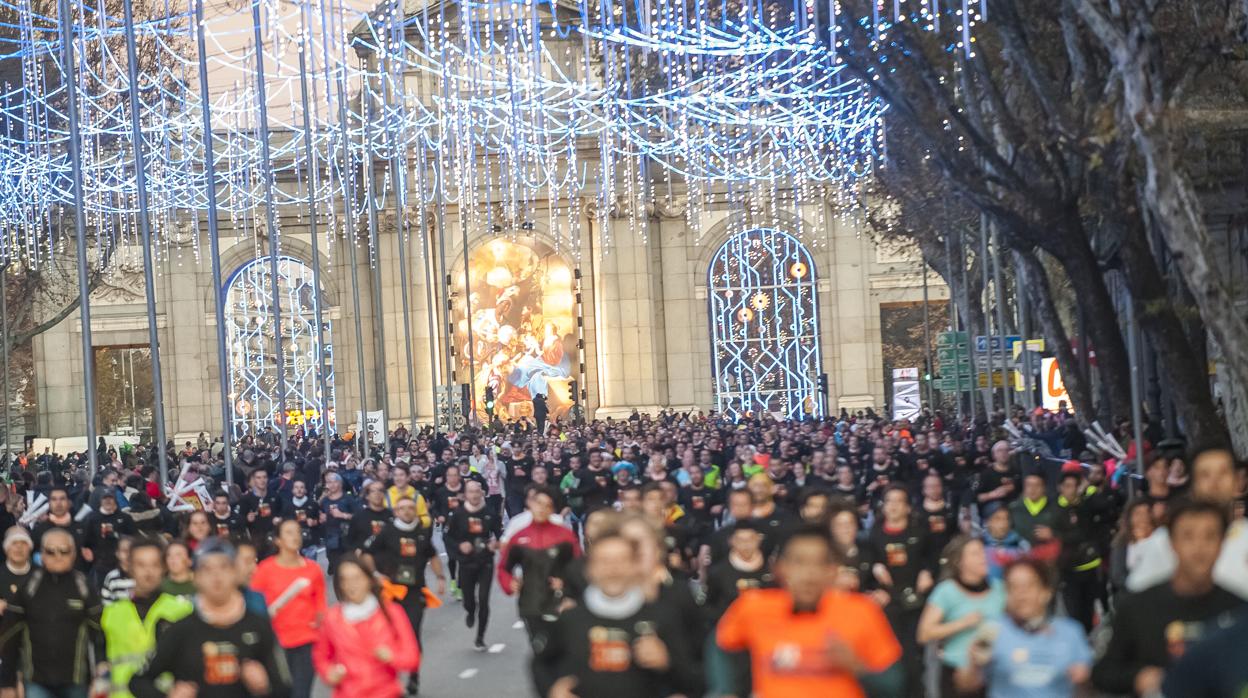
<point x="299" y="617"/>
<point x="787" y="649"/>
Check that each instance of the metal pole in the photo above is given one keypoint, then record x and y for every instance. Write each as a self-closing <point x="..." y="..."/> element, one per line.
<point x="218" y="292"/>
<point x="927" y="344"/>
<point x="472" y="358"/>
<point x="322" y="373"/>
<point x="349" y="205"/>
<point x="399" y="176"/>
<point x="134" y="401"/>
<point x="970" y="328"/>
<point x="270" y="218"/>
<point x="68" y="69"/>
<point x="4" y="347"/>
<point x="1133" y="355"/>
<point x="954" y="322"/>
<point x="990" y="389"/>
<point x="1024" y="326"/>
<point x="366" y="142"/>
<point x="145" y="233"/>
<point x="998" y="297"/>
<point x="430" y="300"/>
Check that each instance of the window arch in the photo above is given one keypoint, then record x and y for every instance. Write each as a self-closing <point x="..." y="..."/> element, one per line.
<point x="764" y="316"/>
<point x="252" y="354"/>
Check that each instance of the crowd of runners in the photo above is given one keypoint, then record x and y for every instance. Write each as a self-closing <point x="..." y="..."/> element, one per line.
<point x="669" y="555"/>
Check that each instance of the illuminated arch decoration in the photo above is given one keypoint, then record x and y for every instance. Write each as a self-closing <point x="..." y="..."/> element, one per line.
<point x="252" y="352"/>
<point x="764" y="316"/>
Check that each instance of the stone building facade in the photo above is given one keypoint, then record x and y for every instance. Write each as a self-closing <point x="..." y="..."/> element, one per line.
<point x="644" y="308"/>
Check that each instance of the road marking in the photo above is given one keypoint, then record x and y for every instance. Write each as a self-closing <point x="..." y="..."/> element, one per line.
<point x="518" y="625"/>
<point x="467" y="673"/>
<point x="496" y="648"/>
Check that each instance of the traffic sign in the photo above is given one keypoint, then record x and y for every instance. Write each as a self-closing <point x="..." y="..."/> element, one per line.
<point x="984" y="343"/>
<point x="950" y="339"/>
<point x="998" y="379"/>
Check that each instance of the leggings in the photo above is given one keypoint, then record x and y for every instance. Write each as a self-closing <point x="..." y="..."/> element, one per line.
<point x="414" y="606"/>
<point x="475" y="579"/>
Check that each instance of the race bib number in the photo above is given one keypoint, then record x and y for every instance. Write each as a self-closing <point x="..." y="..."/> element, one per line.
<point x="221" y="665"/>
<point x="609" y="650"/>
<point x="895" y="554"/>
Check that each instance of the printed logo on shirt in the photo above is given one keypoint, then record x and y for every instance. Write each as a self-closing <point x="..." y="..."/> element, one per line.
<point x="301" y="516"/>
<point x="106" y="530"/>
<point x="221" y="665"/>
<point x="452" y="502"/>
<point x="474" y="525"/>
<point x="223" y="530"/>
<point x="609" y="650"/>
<point x="698" y="503"/>
<point x="793" y="659"/>
<point x="375" y="526"/>
<point x="407" y="547"/>
<point x="265" y="510"/>
<point x="895" y="554"/>
<point x="936" y="524"/>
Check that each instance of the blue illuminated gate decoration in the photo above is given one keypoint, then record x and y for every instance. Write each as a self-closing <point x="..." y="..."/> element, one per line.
<point x="253" y="364"/>
<point x="764" y="325"/>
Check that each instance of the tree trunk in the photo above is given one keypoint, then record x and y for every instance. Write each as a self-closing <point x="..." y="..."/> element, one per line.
<point x="1137" y="57"/>
<point x="1056" y="338"/>
<point x="1113" y="366"/>
<point x="1188" y="380"/>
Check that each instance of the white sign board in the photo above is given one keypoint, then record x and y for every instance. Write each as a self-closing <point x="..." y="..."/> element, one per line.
<point x="907" y="404"/>
<point x="1054" y="390"/>
<point x="376" y="426"/>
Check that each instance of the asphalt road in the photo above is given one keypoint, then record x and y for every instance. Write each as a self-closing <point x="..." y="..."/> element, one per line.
<point x="450" y="666"/>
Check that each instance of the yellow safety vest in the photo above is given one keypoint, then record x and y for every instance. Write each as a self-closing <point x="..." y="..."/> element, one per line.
<point x="129" y="640"/>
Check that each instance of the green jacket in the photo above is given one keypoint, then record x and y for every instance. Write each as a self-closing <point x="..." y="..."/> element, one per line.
<point x="1024" y="519"/>
<point x="130" y="640"/>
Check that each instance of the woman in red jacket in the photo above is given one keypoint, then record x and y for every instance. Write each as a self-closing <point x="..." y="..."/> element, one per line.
<point x="365" y="641"/>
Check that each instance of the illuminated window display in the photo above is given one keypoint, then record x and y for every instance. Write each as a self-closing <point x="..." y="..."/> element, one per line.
<point x="523" y="328"/>
<point x="764" y="325"/>
<point x="253" y="362"/>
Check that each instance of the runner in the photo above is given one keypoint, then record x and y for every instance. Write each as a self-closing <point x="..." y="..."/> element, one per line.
<point x="221" y="650"/>
<point x="366" y="641"/>
<point x="294" y="589"/>
<point x="808" y="638"/>
<point x="541" y="550"/>
<point x="471" y="536"/>
<point x="400" y="554"/>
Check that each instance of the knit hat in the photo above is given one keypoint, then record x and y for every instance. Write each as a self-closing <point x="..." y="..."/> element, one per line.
<point x="16" y="534"/>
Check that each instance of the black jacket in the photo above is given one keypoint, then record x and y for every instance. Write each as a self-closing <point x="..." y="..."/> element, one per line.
<point x="51" y="631"/>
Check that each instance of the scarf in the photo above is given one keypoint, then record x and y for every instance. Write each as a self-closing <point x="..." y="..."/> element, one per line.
<point x="359" y="612"/>
<point x="407" y="527"/>
<point x="614" y="608"/>
<point x="299" y="501"/>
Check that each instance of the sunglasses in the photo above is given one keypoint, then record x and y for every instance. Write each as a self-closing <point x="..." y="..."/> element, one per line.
<point x="57" y="552"/>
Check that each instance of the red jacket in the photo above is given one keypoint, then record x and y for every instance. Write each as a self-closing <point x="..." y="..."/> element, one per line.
<point x="535" y="536"/>
<point x="354" y="646"/>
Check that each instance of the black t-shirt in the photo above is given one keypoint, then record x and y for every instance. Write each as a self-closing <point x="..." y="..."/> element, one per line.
<point x="212" y="657"/>
<point x="402" y="555"/>
<point x="905" y="553"/>
<point x="446" y="500"/>
<point x="724" y="583"/>
<point x="265" y="508"/>
<point x="598" y="652"/>
<point x="941" y="525"/>
<point x="228" y="526"/>
<point x="1155" y="627"/>
<point x="101" y="533"/>
<point x="476" y="528"/>
<point x="11" y="581"/>
<point x="365" y="525"/>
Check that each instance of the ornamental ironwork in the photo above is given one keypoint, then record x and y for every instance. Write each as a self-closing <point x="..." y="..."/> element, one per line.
<point x="764" y="317"/>
<point x="250" y="323"/>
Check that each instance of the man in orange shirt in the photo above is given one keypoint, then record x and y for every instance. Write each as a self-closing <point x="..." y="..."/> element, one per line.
<point x="808" y="638"/>
<point x="294" y="589"/>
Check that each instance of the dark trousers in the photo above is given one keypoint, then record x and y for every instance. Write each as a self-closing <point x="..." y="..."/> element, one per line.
<point x="494" y="503"/>
<point x="1080" y="590"/>
<point x="299" y="660"/>
<point x="515" y="503"/>
<point x="475" y="579"/>
<point x="414" y="606"/>
<point x="333" y="556"/>
<point x="905" y="623"/>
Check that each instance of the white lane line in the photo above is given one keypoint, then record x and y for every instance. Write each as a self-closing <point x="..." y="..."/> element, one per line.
<point x="518" y="625"/>
<point x="467" y="673"/>
<point x="496" y="648"/>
